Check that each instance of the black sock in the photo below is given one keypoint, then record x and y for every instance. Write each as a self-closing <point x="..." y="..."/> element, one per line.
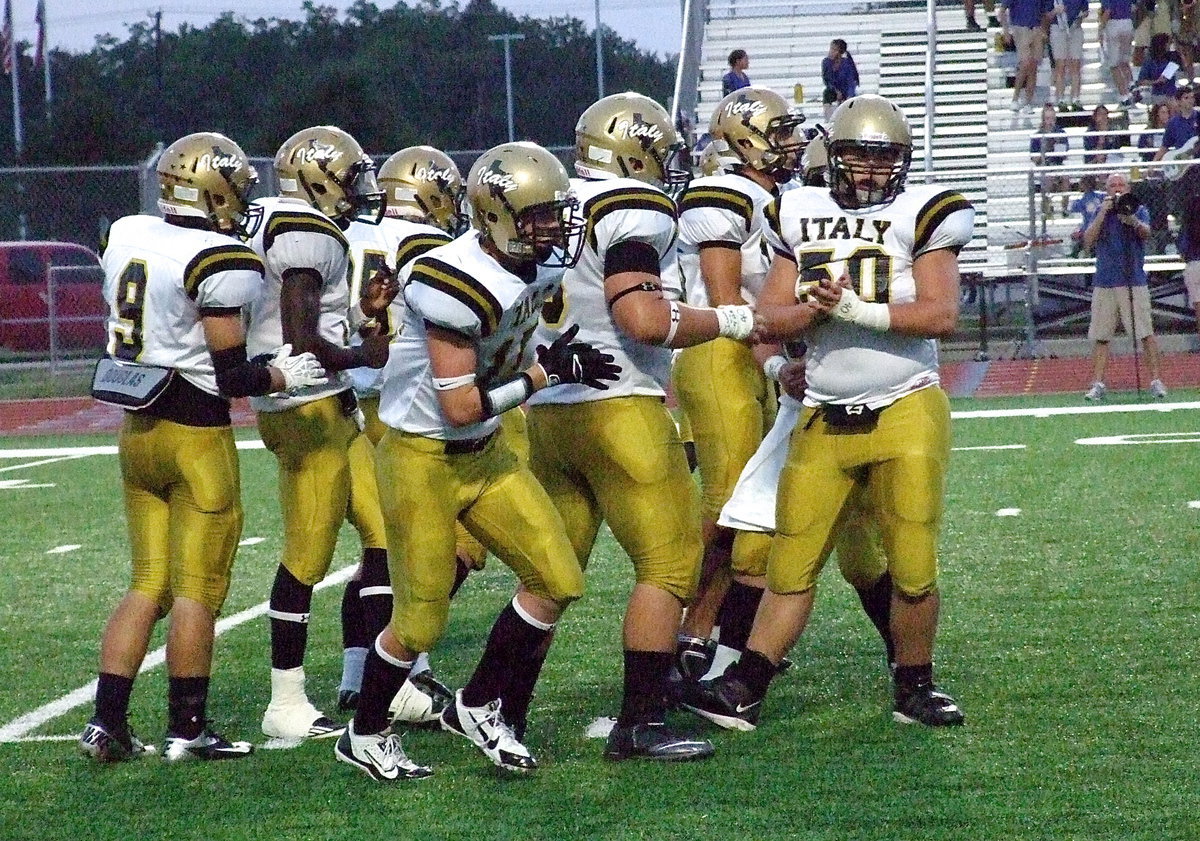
<point x="910" y="677"/>
<point x="187" y="698"/>
<point x="375" y="594"/>
<point x="517" y="692"/>
<point x="510" y="649"/>
<point x="736" y="616"/>
<point x="754" y="670"/>
<point x="644" y="695"/>
<point x="354" y="631"/>
<point x="877" y="604"/>
<point x="289" y="637"/>
<point x="112" y="699"/>
<point x="461" y="571"/>
<point x="381" y="681"/>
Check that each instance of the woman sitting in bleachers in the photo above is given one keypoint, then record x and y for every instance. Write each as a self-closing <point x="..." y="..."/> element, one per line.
<point x="1105" y="148"/>
<point x="1048" y="148"/>
<point x="1156" y="79"/>
<point x="1151" y="138"/>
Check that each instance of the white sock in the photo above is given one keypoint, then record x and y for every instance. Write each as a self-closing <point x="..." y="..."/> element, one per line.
<point x="353" y="661"/>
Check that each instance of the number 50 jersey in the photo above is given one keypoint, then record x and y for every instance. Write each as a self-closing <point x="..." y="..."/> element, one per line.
<point x="876" y="247"/>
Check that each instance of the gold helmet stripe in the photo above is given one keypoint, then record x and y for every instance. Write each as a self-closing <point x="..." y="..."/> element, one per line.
<point x="933" y="214"/>
<point x="286" y="223"/>
<point x="221" y="258"/>
<point x="414" y="246"/>
<point x="462" y="287"/>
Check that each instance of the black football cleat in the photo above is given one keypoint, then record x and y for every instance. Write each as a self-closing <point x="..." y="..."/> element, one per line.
<point x="726" y="702"/>
<point x="694" y="657"/>
<point x="926" y="704"/>
<point x="347" y="701"/>
<point x="112" y="744"/>
<point x="654" y="741"/>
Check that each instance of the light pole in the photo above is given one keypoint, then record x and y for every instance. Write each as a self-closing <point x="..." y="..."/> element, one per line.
<point x="599" y="56"/>
<point x="508" y="38"/>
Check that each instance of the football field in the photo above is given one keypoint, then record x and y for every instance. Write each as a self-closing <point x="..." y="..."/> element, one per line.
<point x="1069" y="635"/>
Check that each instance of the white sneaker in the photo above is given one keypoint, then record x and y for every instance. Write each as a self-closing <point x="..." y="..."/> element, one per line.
<point x="485" y="727"/>
<point x="378" y="755"/>
<point x="297" y="721"/>
<point x="1158" y="389"/>
<point x="207" y="746"/>
<point x="1096" y="392"/>
<point x="421" y="700"/>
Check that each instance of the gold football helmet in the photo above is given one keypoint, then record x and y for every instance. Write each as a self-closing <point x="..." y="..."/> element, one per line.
<point x="870" y="150"/>
<point x="206" y="175"/>
<point x="424" y="184"/>
<point x="630" y="135"/>
<point x="325" y="167"/>
<point x="754" y="127"/>
<point x="521" y="201"/>
<point x="815" y="162"/>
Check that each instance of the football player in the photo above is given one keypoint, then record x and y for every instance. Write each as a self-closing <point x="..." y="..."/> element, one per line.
<point x="868" y="271"/>
<point x="463" y="358"/>
<point x="757" y="141"/>
<point x="325" y="182"/>
<point x="176" y="353"/>
<point x="615" y="455"/>
<point x="423" y="189"/>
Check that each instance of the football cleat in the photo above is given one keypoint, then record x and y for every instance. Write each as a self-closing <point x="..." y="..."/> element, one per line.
<point x="694" y="657"/>
<point x="726" y="702"/>
<point x="297" y="721"/>
<point x="420" y="700"/>
<point x="487" y="730"/>
<point x="118" y="744"/>
<point x="378" y="755"/>
<point x="207" y="746"/>
<point x="654" y="741"/>
<point x="926" y="704"/>
<point x="347" y="701"/>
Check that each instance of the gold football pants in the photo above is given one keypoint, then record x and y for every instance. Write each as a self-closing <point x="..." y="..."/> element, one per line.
<point x="183" y="508"/>
<point x="620" y="460"/>
<point x="901" y="463"/>
<point x="424" y="491"/>
<point x="730" y="405"/>
<point x="311" y="443"/>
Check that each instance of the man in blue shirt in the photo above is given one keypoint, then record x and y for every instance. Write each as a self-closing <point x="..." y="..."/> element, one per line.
<point x="736" y="77"/>
<point x="1183" y="126"/>
<point x="1117" y="237"/>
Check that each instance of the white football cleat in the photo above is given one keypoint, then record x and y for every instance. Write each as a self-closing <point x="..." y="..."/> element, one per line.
<point x="207" y="746"/>
<point x="486" y="729"/>
<point x="378" y="755"/>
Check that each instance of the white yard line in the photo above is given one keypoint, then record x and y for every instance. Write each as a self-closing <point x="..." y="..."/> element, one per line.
<point x="19" y="728"/>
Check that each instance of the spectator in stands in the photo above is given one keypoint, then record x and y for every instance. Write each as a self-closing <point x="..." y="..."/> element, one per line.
<point x="1189" y="239"/>
<point x="1027" y="22"/>
<point x="736" y="77"/>
<point x="1048" y="148"/>
<point x="1156" y="79"/>
<point x="1116" y="45"/>
<point x="1150" y="18"/>
<point x="1182" y="127"/>
<point x="1066" y="48"/>
<point x="1151" y="138"/>
<point x="839" y="74"/>
<point x="1104" y="147"/>
<point x="989" y="6"/>
<point x="1087" y="205"/>
<point x="1117" y="235"/>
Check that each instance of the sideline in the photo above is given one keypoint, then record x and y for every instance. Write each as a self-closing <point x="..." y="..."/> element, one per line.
<point x="19" y="728"/>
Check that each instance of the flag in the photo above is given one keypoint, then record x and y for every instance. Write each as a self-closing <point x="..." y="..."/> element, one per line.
<point x="6" y="38"/>
<point x="39" y="53"/>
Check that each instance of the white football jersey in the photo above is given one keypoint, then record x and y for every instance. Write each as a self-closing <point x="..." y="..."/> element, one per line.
<point x="295" y="236"/>
<point x="725" y="211"/>
<point x="157" y="279"/>
<point x="876" y="247"/>
<point x="392" y="243"/>
<point x="460" y="287"/>
<point x="616" y="210"/>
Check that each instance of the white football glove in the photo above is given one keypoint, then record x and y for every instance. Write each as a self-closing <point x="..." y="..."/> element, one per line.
<point x="857" y="311"/>
<point x="298" y="371"/>
<point x="735" y="321"/>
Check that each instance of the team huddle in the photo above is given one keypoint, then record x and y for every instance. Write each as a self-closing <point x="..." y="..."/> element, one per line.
<point x="464" y="366"/>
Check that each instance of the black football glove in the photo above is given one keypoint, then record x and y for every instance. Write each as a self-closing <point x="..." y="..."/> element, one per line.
<point x="566" y="361"/>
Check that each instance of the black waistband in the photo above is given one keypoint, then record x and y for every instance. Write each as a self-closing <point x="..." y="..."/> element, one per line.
<point x="468" y="445"/>
<point x="184" y="403"/>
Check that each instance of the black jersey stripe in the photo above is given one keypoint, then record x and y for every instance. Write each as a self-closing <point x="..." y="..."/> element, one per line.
<point x="285" y="223"/>
<point x="412" y="247"/>
<point x="220" y="258"/>
<point x="718" y="198"/>
<point x="771" y="214"/>
<point x="934" y="213"/>
<point x="625" y="198"/>
<point x="462" y="287"/>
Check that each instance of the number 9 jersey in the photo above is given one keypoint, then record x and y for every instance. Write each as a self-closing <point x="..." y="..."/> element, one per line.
<point x="876" y="246"/>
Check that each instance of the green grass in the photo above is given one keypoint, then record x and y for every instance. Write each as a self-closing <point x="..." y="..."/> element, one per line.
<point x="71" y="379"/>
<point x="1067" y="635"/>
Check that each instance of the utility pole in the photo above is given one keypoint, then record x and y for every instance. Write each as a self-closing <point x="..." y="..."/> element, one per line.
<point x="508" y="38"/>
<point x="599" y="56"/>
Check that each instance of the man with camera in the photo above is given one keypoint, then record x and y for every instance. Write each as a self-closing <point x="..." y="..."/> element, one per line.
<point x="1117" y="234"/>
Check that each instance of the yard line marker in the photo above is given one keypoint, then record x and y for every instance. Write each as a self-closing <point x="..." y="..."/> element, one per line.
<point x="1195" y="503"/>
<point x="252" y="541"/>
<point x="62" y="550"/>
<point x="1008" y="512"/>
<point x="19" y="728"/>
<point x="38" y="463"/>
<point x="989" y="447"/>
<point x="23" y="484"/>
<point x="1071" y="410"/>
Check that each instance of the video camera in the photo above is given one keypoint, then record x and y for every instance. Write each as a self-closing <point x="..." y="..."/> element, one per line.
<point x="1126" y="204"/>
